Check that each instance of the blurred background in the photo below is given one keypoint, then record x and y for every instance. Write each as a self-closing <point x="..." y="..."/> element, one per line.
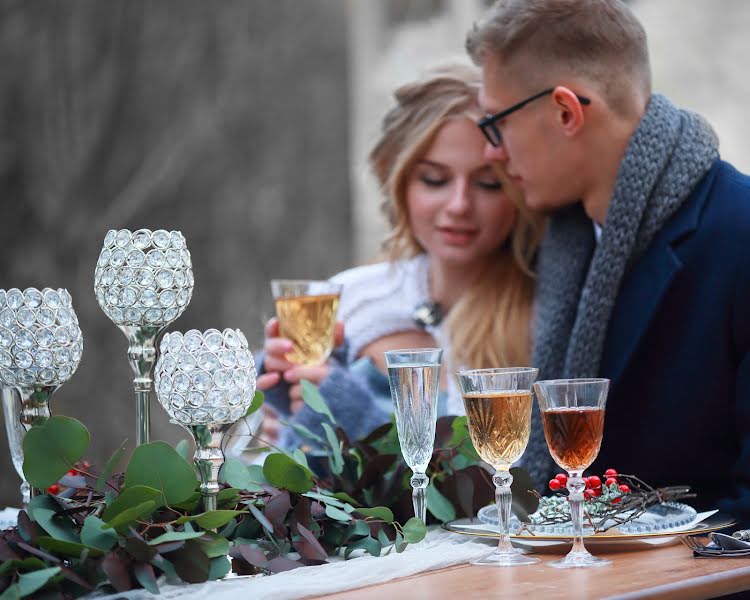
<point x="245" y="124"/>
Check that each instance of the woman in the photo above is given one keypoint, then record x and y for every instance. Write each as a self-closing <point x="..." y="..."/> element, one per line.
<point x="457" y="274"/>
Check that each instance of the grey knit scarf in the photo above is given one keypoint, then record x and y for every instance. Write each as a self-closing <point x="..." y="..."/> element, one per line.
<point x="579" y="280"/>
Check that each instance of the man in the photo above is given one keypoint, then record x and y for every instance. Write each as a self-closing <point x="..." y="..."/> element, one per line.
<point x="644" y="271"/>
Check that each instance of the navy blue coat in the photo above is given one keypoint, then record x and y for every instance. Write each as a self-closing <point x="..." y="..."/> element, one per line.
<point x="678" y="352"/>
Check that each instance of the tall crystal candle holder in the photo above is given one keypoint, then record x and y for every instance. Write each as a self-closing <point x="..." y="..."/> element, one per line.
<point x="206" y="382"/>
<point x="414" y="377"/>
<point x="143" y="282"/>
<point x="40" y="349"/>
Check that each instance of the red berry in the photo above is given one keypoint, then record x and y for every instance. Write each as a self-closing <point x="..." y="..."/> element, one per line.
<point x="72" y="472"/>
<point x="624" y="489"/>
<point x="587" y="495"/>
<point x="595" y="482"/>
<point x="86" y="464"/>
<point x="610" y="481"/>
<point x="554" y="485"/>
<point x="596" y="492"/>
<point x="610" y="473"/>
<point x="53" y="489"/>
<point x="562" y="478"/>
<point x="616" y="500"/>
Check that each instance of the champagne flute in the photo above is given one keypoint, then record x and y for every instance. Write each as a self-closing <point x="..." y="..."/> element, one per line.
<point x="498" y="410"/>
<point x="573" y="418"/>
<point x="307" y="315"/>
<point x="414" y="377"/>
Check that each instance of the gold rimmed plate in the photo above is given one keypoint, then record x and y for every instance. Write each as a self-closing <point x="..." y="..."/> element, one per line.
<point x="609" y="540"/>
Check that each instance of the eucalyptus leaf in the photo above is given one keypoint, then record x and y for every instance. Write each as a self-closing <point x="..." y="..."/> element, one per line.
<point x="383" y="538"/>
<point x="93" y="534"/>
<point x="110" y="467"/>
<point x="414" y="530"/>
<point x="145" y="575"/>
<point x="257" y="402"/>
<point x="358" y="527"/>
<point x="183" y="449"/>
<point x="126" y="517"/>
<point x="336" y="458"/>
<point x="283" y="472"/>
<point x="379" y="512"/>
<point x="72" y="549"/>
<point x="214" y="545"/>
<point x="52" y="448"/>
<point x="439" y="505"/>
<point x="300" y="457"/>
<point x="175" y="536"/>
<point x="212" y="519"/>
<point x="311" y="396"/>
<point x="130" y="497"/>
<point x="47" y="515"/>
<point x="256" y="474"/>
<point x="159" y="466"/>
<point x="28" y="583"/>
<point x="368" y="544"/>
<point x="306" y="433"/>
<point x="220" y="567"/>
<point x="236" y="474"/>
<point x="337" y="513"/>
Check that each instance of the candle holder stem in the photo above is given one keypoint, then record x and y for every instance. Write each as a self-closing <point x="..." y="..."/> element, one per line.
<point x="208" y="458"/>
<point x="142" y="357"/>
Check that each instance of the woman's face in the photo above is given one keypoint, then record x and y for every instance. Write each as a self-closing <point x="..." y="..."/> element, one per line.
<point x="458" y="210"/>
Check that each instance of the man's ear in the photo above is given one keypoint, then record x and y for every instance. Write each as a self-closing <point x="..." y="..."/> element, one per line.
<point x="569" y="110"/>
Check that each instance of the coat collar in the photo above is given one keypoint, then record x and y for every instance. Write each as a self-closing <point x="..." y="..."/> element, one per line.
<point x="650" y="278"/>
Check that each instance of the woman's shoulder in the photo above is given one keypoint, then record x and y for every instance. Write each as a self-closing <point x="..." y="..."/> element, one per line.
<point x="386" y="272"/>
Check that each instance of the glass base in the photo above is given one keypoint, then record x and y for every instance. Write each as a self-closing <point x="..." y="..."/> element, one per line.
<point x="505" y="559"/>
<point x="579" y="560"/>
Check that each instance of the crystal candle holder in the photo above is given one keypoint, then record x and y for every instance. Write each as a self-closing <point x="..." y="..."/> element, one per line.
<point x="40" y="349"/>
<point x="143" y="282"/>
<point x="206" y="382"/>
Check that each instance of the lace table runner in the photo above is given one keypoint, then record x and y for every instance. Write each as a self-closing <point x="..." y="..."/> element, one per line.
<point x="440" y="549"/>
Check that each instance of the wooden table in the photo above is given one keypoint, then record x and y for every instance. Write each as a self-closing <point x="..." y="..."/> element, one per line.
<point x="670" y="572"/>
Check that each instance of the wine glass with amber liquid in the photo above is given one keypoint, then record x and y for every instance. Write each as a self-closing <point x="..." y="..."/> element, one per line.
<point x="498" y="410"/>
<point x="307" y="315"/>
<point x="573" y="418"/>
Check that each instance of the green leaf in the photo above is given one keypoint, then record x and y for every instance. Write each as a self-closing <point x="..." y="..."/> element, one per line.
<point x="28" y="583"/>
<point x="283" y="472"/>
<point x="52" y="448"/>
<point x="175" y="536"/>
<point x="183" y="449"/>
<point x="256" y="474"/>
<point x="109" y="468"/>
<point x="305" y="432"/>
<point x="346" y="498"/>
<point x="399" y="543"/>
<point x="72" y="549"/>
<point x="311" y="396"/>
<point x="220" y="567"/>
<point x="93" y="534"/>
<point x="300" y="457"/>
<point x="336" y="459"/>
<point x="228" y="495"/>
<point x="440" y="507"/>
<point x="460" y="429"/>
<point x="214" y="545"/>
<point x="212" y="519"/>
<point x="145" y="575"/>
<point x="130" y="515"/>
<point x="332" y="500"/>
<point x="56" y="525"/>
<point x="369" y="544"/>
<point x="130" y="497"/>
<point x="337" y="513"/>
<point x="379" y="512"/>
<point x="158" y="465"/>
<point x="358" y="527"/>
<point x="414" y="530"/>
<point x="236" y="474"/>
<point x="383" y="538"/>
<point x="191" y="562"/>
<point x="256" y="403"/>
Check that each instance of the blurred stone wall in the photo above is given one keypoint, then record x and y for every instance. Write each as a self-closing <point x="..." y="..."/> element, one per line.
<point x="225" y="120"/>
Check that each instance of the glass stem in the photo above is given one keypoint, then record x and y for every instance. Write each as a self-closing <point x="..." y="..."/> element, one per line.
<point x="208" y="458"/>
<point x="142" y="357"/>
<point x="419" y="482"/>
<point x="502" y="480"/>
<point x="34" y="410"/>
<point x="576" y="486"/>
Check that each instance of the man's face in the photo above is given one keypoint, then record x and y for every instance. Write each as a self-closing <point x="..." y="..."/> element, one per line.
<point x="533" y="151"/>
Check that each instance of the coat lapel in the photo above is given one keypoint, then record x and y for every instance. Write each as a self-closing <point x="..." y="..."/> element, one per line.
<point x="648" y="281"/>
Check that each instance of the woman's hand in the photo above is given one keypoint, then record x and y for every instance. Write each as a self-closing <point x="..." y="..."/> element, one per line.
<point x="277" y="366"/>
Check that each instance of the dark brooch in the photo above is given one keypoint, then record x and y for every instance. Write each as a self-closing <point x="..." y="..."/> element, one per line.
<point x="428" y="314"/>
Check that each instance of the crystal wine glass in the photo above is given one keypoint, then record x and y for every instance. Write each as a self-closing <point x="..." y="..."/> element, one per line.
<point x="307" y="315"/>
<point x="414" y="377"/>
<point x="498" y="410"/>
<point x="573" y="418"/>
<point x="143" y="282"/>
<point x="40" y="349"/>
<point x="206" y="382"/>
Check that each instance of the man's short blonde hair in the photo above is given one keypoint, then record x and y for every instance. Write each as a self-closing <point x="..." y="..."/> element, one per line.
<point x="599" y="40"/>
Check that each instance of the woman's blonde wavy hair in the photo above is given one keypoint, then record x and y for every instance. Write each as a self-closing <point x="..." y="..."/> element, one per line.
<point x="490" y="325"/>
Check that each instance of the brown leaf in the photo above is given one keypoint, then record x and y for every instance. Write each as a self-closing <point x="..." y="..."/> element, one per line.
<point x="191" y="562"/>
<point x="253" y="555"/>
<point x="374" y="470"/>
<point x="279" y="564"/>
<point x="276" y="510"/>
<point x="116" y="570"/>
<point x="302" y="511"/>
<point x="312" y="548"/>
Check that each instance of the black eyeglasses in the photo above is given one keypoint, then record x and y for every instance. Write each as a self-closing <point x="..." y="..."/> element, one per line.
<point x="488" y="124"/>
